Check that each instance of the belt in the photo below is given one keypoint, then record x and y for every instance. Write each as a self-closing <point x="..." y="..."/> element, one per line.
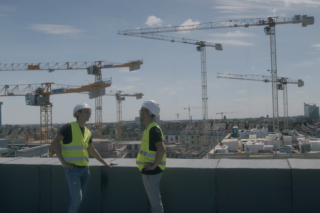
<point x="80" y="166"/>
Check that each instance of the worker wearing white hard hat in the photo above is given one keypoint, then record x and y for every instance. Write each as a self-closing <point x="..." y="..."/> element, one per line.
<point x="76" y="140"/>
<point x="151" y="159"/>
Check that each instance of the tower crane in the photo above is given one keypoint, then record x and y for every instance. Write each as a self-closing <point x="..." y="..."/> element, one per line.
<point x="120" y="96"/>
<point x="281" y="85"/>
<point x="36" y="95"/>
<point x="268" y="22"/>
<point x="225" y="113"/>
<point x="0" y="116"/>
<point x="188" y="108"/>
<point x="92" y="67"/>
<point x="177" y="116"/>
<point x="151" y="33"/>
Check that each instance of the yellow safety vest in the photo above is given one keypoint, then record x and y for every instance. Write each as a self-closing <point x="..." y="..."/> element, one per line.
<point x="147" y="156"/>
<point x="76" y="151"/>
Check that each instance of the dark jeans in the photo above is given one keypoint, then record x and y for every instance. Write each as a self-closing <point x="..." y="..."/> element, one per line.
<point x="77" y="181"/>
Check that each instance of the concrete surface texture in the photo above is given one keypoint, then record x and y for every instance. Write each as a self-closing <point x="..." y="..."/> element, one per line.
<point x="195" y="186"/>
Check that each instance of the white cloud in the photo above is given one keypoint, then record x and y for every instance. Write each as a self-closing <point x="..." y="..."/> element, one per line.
<point x="237" y="33"/>
<point x="185" y="24"/>
<point x="54" y="29"/>
<point x="131" y="79"/>
<point x="242" y="91"/>
<point x="152" y="20"/>
<point x="252" y="67"/>
<point x="232" y="42"/>
<point x="317" y="46"/>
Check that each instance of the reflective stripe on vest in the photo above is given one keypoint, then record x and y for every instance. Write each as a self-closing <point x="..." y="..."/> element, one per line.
<point x="76" y="151"/>
<point x="145" y="155"/>
<point x="74" y="148"/>
<point x="76" y="159"/>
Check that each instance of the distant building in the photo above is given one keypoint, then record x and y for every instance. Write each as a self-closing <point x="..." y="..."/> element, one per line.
<point x="137" y="120"/>
<point x="311" y="111"/>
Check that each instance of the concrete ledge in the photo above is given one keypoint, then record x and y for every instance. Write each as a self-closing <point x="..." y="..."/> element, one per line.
<point x="39" y="185"/>
<point x="253" y="186"/>
<point x="305" y="179"/>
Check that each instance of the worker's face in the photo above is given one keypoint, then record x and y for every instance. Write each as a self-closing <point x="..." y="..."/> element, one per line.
<point x="143" y="112"/>
<point x="84" y="115"/>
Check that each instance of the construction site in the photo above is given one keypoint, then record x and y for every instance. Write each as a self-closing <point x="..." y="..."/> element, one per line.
<point x="224" y="151"/>
<point x="188" y="139"/>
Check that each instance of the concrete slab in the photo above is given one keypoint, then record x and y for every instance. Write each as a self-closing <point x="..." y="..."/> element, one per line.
<point x="253" y="164"/>
<point x="20" y="182"/>
<point x="305" y="184"/>
<point x="4" y="160"/>
<point x="198" y="181"/>
<point x="247" y="185"/>
<point x="192" y="163"/>
<point x="131" y="196"/>
<point x="31" y="161"/>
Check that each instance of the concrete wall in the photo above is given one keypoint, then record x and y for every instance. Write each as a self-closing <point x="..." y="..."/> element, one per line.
<point x="226" y="185"/>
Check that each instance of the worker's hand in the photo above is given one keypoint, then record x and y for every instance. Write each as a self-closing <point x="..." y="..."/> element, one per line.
<point x="149" y="166"/>
<point x="110" y="164"/>
<point x="68" y="165"/>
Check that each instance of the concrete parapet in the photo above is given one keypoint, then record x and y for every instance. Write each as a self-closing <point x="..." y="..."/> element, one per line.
<point x="202" y="185"/>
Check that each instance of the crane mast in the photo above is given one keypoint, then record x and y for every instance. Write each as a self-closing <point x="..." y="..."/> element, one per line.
<point x="152" y="34"/>
<point x="273" y="53"/>
<point x="281" y="84"/>
<point x="120" y="97"/>
<point x="270" y="22"/>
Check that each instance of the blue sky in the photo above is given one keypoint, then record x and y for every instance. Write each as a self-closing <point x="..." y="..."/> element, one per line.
<point x="70" y="31"/>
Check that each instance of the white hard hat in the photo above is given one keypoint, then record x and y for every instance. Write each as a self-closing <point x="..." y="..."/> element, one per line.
<point x="79" y="107"/>
<point x="152" y="106"/>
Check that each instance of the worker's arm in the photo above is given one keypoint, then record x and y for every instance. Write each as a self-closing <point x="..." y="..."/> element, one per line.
<point x="96" y="155"/>
<point x="159" y="154"/>
<point x="56" y="148"/>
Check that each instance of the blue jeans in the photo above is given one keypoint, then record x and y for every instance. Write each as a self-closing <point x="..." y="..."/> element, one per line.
<point x="77" y="181"/>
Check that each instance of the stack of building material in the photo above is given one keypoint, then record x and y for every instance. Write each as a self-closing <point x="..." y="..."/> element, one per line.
<point x="232" y="144"/>
<point x="304" y="146"/>
<point x="223" y="149"/>
<point x="272" y="141"/>
<point x="252" y="136"/>
<point x="253" y="147"/>
<point x="287" y="140"/>
<point x="286" y="149"/>
<point x="268" y="147"/>
<point x="315" y="145"/>
<point x="243" y="134"/>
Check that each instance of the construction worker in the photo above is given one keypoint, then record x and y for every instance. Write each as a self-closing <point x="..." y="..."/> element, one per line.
<point x="76" y="140"/>
<point x="151" y="159"/>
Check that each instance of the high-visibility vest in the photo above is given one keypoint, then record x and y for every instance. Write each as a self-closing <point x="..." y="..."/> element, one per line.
<point x="147" y="156"/>
<point x="76" y="151"/>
